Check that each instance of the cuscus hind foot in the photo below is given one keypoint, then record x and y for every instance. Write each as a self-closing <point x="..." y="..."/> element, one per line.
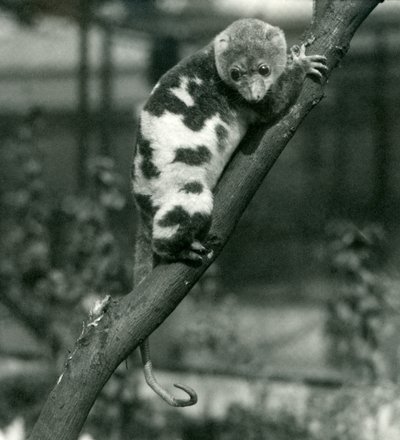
<point x="196" y="253"/>
<point x="196" y="246"/>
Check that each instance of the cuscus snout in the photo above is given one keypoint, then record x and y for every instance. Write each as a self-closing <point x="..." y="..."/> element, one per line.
<point x="255" y="91"/>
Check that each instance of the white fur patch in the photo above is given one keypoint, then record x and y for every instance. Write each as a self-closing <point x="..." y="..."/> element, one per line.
<point x="182" y="92"/>
<point x="167" y="133"/>
<point x="192" y="203"/>
<point x="164" y="232"/>
<point x="140" y="183"/>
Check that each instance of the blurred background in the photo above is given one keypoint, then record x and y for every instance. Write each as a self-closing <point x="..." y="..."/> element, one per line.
<point x="295" y="328"/>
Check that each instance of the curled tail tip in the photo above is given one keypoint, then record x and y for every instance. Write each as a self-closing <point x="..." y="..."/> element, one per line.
<point x="190" y="392"/>
<point x="157" y="388"/>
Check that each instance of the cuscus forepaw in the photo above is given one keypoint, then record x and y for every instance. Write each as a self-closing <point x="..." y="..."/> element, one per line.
<point x="312" y="64"/>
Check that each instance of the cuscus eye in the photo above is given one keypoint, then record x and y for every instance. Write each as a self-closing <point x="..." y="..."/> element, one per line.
<point x="264" y="70"/>
<point x="235" y="74"/>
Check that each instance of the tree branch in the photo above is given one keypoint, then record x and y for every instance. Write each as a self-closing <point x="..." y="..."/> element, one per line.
<point x="124" y="324"/>
<point x="35" y="320"/>
<point x="21" y="311"/>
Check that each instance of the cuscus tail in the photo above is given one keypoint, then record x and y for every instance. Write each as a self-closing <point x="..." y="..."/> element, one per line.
<point x="143" y="265"/>
<point x="157" y="388"/>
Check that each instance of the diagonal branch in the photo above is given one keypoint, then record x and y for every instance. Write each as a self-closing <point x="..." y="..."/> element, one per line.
<point x="36" y="320"/>
<point x="124" y="324"/>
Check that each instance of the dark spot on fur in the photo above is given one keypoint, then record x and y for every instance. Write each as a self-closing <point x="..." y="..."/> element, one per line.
<point x="132" y="170"/>
<point x="222" y="134"/>
<point x="147" y="166"/>
<point x="201" y="223"/>
<point x="193" y="187"/>
<point x="193" y="87"/>
<point x="171" y="248"/>
<point x="144" y="203"/>
<point x="177" y="216"/>
<point x="193" y="156"/>
<point x="218" y="99"/>
<point x="190" y="226"/>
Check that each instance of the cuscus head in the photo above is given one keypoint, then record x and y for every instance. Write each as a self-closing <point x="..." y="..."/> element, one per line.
<point x="250" y="55"/>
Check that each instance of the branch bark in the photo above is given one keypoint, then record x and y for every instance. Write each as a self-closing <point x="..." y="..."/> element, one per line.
<point x="124" y="324"/>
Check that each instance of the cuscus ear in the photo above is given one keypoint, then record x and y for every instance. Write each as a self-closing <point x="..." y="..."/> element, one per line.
<point x="276" y="37"/>
<point x="221" y="42"/>
<point x="277" y="48"/>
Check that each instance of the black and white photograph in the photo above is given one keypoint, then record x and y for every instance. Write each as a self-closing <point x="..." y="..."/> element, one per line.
<point x="199" y="220"/>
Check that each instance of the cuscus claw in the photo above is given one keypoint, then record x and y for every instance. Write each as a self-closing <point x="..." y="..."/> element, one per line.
<point x="198" y="247"/>
<point x="314" y="65"/>
<point x="191" y="255"/>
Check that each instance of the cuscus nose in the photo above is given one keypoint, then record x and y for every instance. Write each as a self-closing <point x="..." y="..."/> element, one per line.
<point x="257" y="91"/>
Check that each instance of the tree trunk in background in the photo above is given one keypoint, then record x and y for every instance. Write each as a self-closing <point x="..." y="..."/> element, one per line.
<point x="339" y="196"/>
<point x="106" y="90"/>
<point x="381" y="123"/>
<point x="164" y="55"/>
<point x="83" y="93"/>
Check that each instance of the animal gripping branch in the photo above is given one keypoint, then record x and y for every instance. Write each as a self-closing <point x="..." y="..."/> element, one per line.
<point x="126" y="323"/>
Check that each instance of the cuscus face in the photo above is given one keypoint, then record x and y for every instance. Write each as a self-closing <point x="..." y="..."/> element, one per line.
<point x="250" y="56"/>
<point x="252" y="77"/>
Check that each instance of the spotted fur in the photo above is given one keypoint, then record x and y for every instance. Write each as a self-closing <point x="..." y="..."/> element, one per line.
<point x="193" y="121"/>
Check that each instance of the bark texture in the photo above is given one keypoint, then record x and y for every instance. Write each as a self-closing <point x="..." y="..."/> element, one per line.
<point x="122" y="325"/>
